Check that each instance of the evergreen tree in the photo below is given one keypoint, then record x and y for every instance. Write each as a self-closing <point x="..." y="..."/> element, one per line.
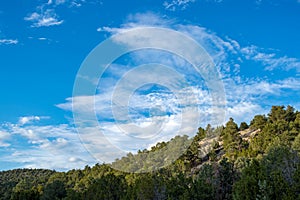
<point x="231" y="139"/>
<point x="243" y="126"/>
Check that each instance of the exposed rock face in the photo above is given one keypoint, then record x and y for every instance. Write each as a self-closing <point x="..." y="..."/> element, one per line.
<point x="248" y="134"/>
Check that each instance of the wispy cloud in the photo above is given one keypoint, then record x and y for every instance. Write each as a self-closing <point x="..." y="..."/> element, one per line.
<point x="244" y="93"/>
<point x="246" y="98"/>
<point x="57" y="2"/>
<point x="25" y="120"/>
<point x="177" y="4"/>
<point x="45" y="39"/>
<point x="45" y="14"/>
<point x="138" y="20"/>
<point x="42" y="38"/>
<point x="71" y="3"/>
<point x="174" y="5"/>
<point x="8" y="41"/>
<point x="42" y="146"/>
<point x="44" y="18"/>
<point x="270" y="61"/>
<point x="217" y="47"/>
<point x="3" y="137"/>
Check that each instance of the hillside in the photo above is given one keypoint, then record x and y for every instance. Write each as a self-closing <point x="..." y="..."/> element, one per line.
<point x="256" y="161"/>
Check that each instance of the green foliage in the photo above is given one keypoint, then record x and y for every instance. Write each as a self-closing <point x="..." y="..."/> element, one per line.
<point x="279" y="113"/>
<point x="54" y="190"/>
<point x="243" y="126"/>
<point x="205" y="185"/>
<point x="247" y="187"/>
<point x="272" y="177"/>
<point x="296" y="143"/>
<point x="258" y="122"/>
<point x="231" y="139"/>
<point x="23" y="183"/>
<point x="163" y="154"/>
<point x="109" y="186"/>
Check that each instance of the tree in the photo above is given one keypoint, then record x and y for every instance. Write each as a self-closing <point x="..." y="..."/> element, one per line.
<point x="280" y="113"/>
<point x="178" y="186"/>
<point x="247" y="187"/>
<point x="209" y="130"/>
<point x="109" y="186"/>
<point x="243" y="126"/>
<point x="258" y="122"/>
<point x="24" y="190"/>
<point x="296" y="143"/>
<point x="272" y="177"/>
<point x="290" y="114"/>
<point x="226" y="178"/>
<point x="276" y="113"/>
<point x="231" y="139"/>
<point x="279" y="167"/>
<point x="54" y="190"/>
<point x="205" y="186"/>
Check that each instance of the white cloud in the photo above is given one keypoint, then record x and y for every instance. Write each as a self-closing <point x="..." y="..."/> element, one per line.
<point x="138" y="20"/>
<point x="43" y="146"/>
<point x="174" y="5"/>
<point x="57" y="2"/>
<point x="31" y="119"/>
<point x="250" y="97"/>
<point x="4" y="136"/>
<point x="177" y="4"/>
<point x="45" y="14"/>
<point x="270" y="61"/>
<point x="229" y="55"/>
<point x="217" y="47"/>
<point x="42" y="38"/>
<point x="44" y="18"/>
<point x="244" y="111"/>
<point x="8" y="41"/>
<point x="109" y="29"/>
<point x="76" y="3"/>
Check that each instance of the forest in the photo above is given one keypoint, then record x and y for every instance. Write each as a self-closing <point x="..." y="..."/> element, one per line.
<point x="255" y="161"/>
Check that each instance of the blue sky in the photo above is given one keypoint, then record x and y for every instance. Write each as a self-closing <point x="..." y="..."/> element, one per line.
<point x="254" y="44"/>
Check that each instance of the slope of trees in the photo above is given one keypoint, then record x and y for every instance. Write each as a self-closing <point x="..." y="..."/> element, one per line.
<point x="256" y="161"/>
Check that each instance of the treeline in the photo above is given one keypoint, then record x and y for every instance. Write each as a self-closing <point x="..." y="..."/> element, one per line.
<point x="259" y="161"/>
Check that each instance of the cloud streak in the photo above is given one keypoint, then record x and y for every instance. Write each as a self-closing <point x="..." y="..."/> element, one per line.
<point x="44" y="18"/>
<point x="177" y="4"/>
<point x="8" y="41"/>
<point x="45" y="14"/>
<point x="270" y="61"/>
